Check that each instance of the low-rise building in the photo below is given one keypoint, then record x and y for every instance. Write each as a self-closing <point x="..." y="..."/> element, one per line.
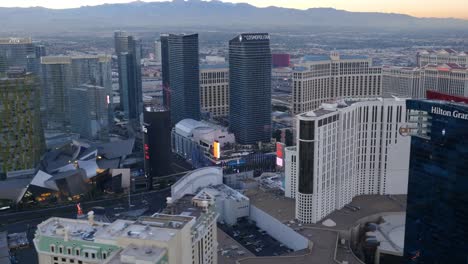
<point x="208" y="182"/>
<point x="186" y="235"/>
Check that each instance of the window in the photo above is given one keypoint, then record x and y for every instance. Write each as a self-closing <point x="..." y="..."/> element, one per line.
<point x="52" y="248"/>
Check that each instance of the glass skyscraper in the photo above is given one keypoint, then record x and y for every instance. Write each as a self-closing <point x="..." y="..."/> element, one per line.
<point x="21" y="134"/>
<point x="250" y="88"/>
<point x="56" y="84"/>
<point x="91" y="121"/>
<point x="128" y="51"/>
<point x="18" y="52"/>
<point x="184" y="77"/>
<point x="165" y="70"/>
<point x="62" y="73"/>
<point x="437" y="212"/>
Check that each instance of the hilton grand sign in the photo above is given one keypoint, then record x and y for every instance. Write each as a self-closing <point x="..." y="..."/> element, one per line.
<point x="449" y="113"/>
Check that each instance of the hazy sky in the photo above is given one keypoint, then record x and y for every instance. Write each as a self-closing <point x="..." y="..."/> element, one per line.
<point x="420" y="8"/>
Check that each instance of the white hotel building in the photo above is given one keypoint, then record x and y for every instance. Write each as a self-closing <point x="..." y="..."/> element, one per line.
<point x="346" y="149"/>
<point x="324" y="78"/>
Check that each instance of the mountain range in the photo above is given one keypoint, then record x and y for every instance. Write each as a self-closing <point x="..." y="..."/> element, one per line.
<point x="210" y="15"/>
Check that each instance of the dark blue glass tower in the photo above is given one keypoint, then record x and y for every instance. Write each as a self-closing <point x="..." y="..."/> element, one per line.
<point x="184" y="77"/>
<point x="130" y="83"/>
<point x="250" y="88"/>
<point x="437" y="210"/>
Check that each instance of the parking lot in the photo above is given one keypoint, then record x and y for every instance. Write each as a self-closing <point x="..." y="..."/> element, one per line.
<point x="255" y="240"/>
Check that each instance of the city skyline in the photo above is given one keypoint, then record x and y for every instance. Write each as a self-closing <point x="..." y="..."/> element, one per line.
<point x="452" y="8"/>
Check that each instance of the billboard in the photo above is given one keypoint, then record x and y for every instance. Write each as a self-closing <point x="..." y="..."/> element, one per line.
<point x="216" y="150"/>
<point x="280" y="154"/>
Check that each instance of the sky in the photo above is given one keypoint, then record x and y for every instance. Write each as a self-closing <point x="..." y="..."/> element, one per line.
<point x="419" y="8"/>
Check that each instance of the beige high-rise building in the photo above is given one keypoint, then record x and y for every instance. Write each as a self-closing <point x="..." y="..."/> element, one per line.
<point x="402" y="82"/>
<point x="214" y="89"/>
<point x="184" y="234"/>
<point x="442" y="56"/>
<point x="324" y="78"/>
<point x="447" y="78"/>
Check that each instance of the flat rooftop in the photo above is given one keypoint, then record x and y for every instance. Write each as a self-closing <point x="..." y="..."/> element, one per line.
<point x="391" y="234"/>
<point x="133" y="253"/>
<point x="184" y="207"/>
<point x="324" y="238"/>
<point x="157" y="228"/>
<point x="283" y="208"/>
<point x="223" y="191"/>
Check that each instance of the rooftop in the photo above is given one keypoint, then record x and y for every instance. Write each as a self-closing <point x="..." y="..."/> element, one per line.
<point x="184" y="206"/>
<point x="391" y="233"/>
<point x="328" y="108"/>
<point x="214" y="66"/>
<point x="147" y="254"/>
<point x="326" y="57"/>
<point x="222" y="191"/>
<point x="155" y="228"/>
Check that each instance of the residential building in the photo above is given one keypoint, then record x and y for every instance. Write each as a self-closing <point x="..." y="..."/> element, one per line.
<point x="250" y="88"/>
<point x="442" y="56"/>
<point x="89" y="114"/>
<point x="402" y="82"/>
<point x="324" y="78"/>
<point x="184" y="77"/>
<point x="21" y="133"/>
<point x="214" y="89"/>
<point x="436" y="210"/>
<point x="349" y="148"/>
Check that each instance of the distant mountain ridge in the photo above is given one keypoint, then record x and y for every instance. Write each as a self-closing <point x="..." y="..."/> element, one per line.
<point x="213" y="14"/>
